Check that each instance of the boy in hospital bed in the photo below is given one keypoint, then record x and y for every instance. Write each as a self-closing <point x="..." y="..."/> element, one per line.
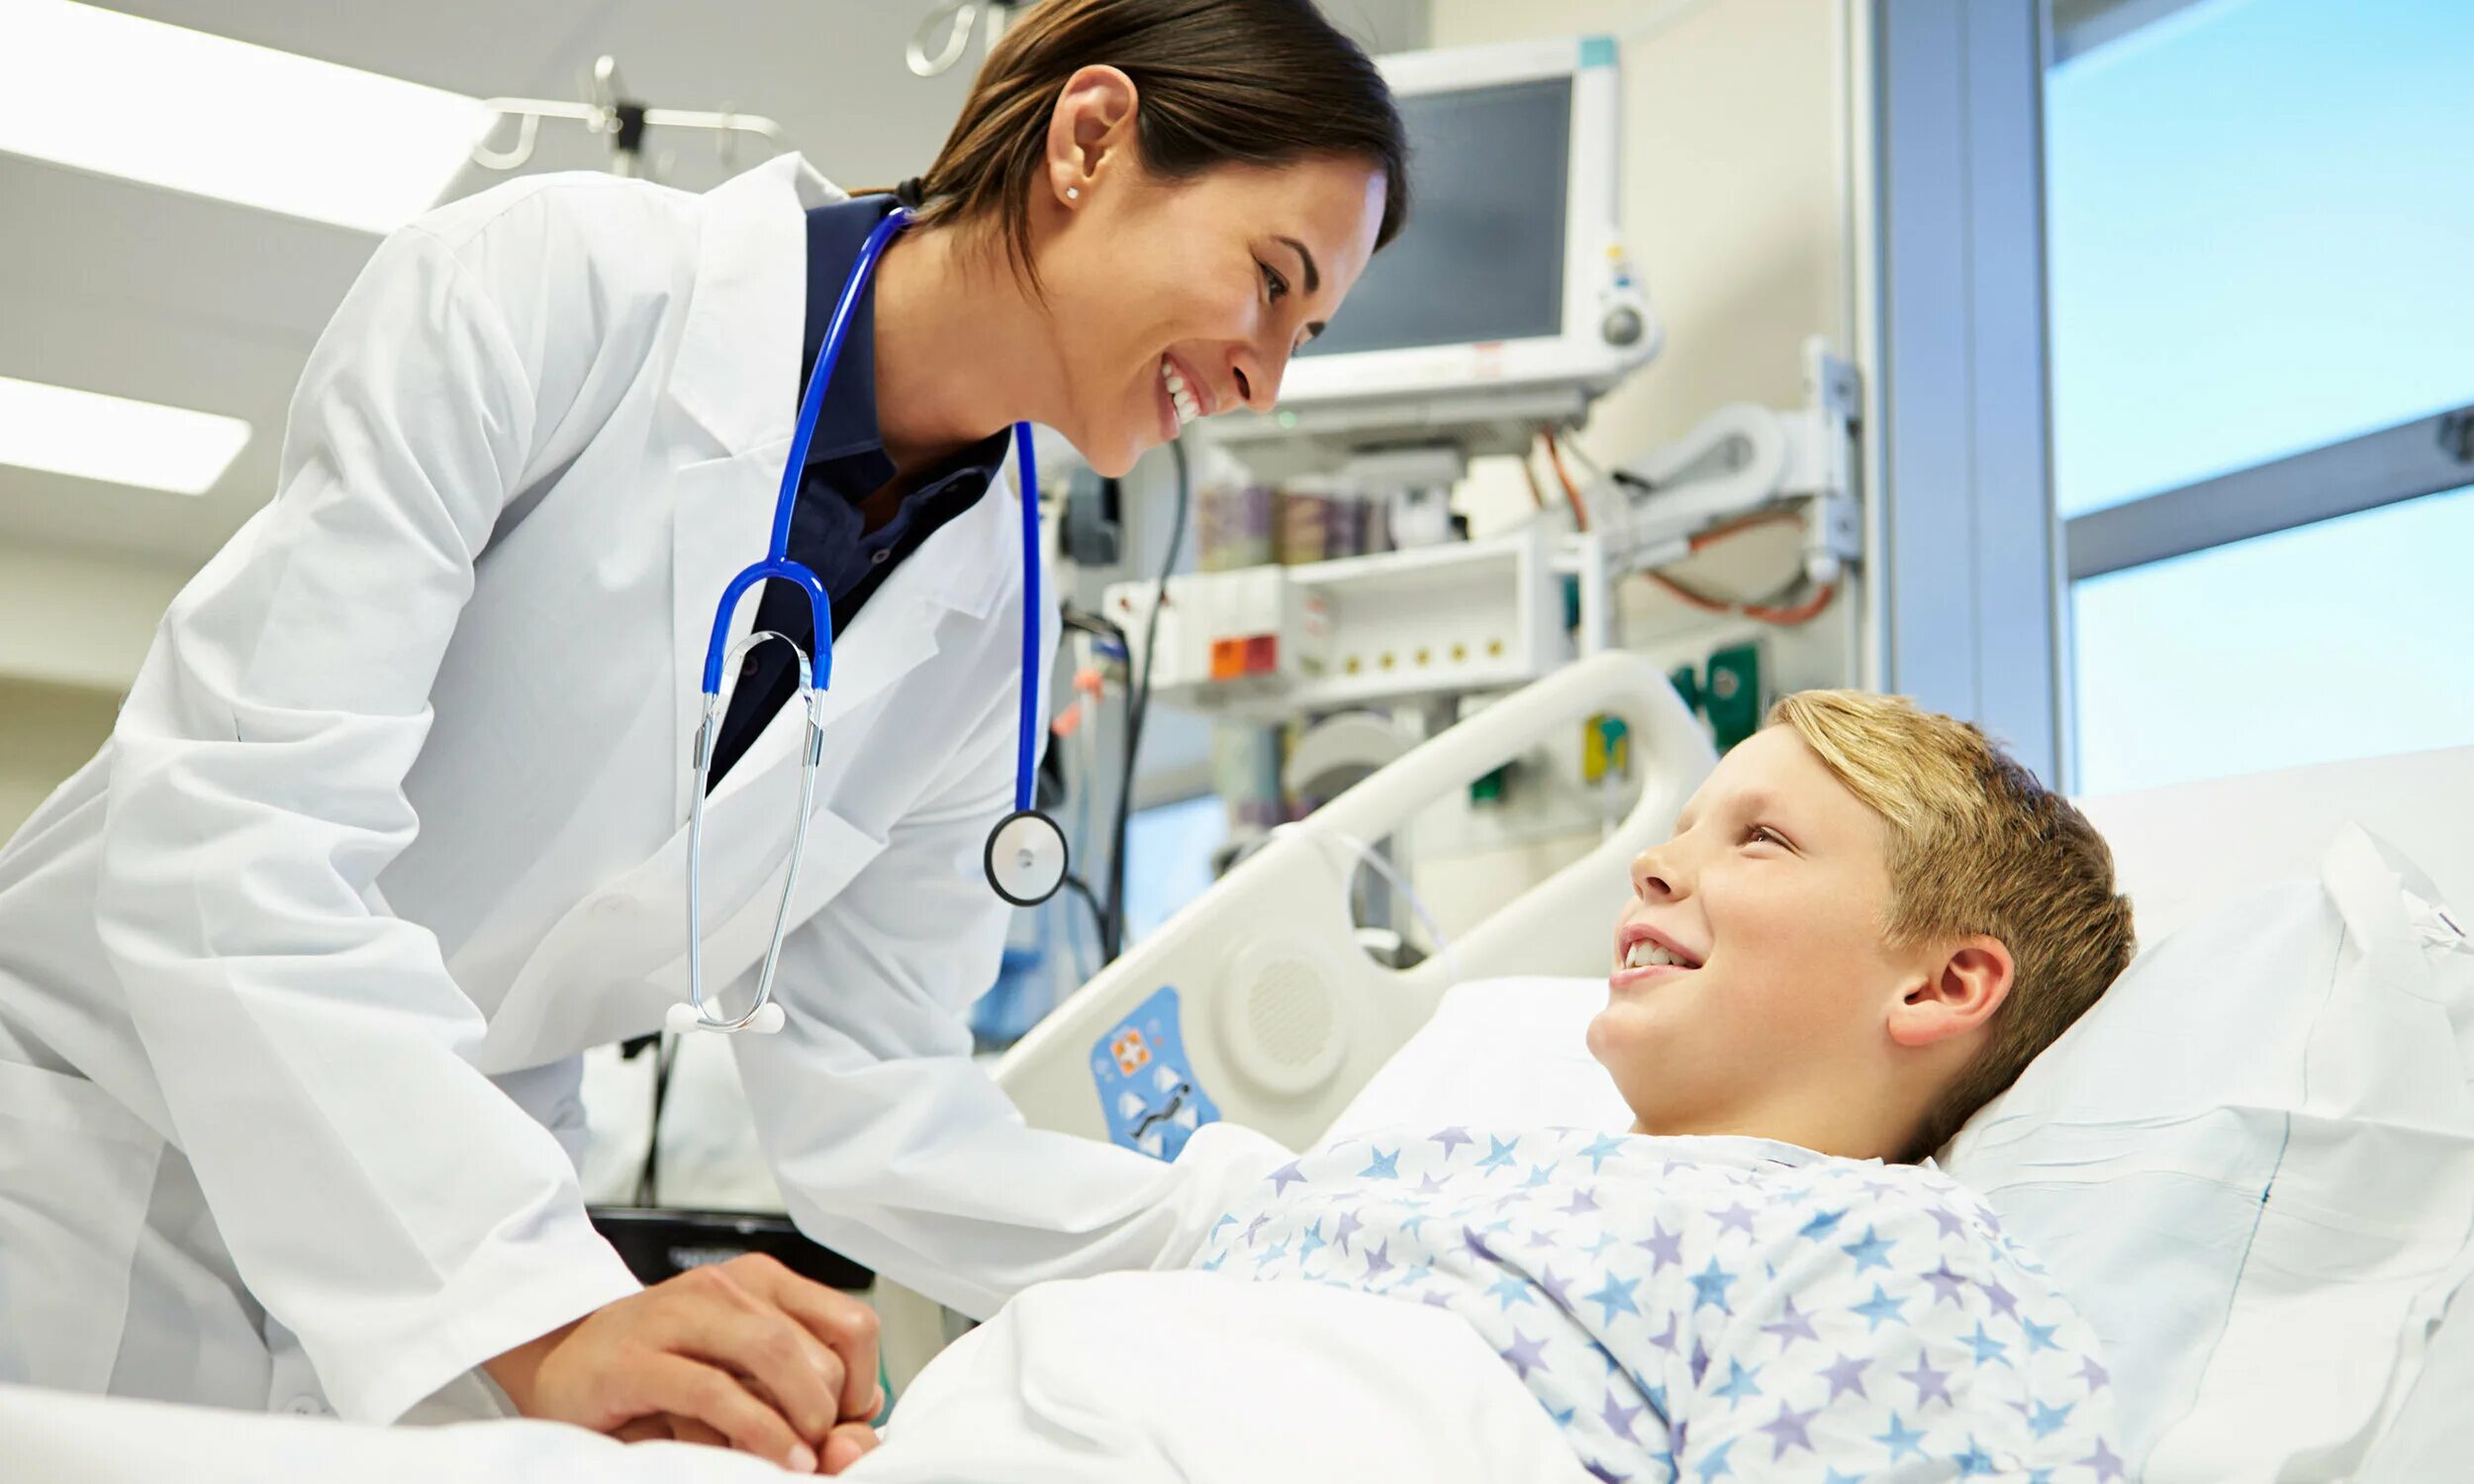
<point x="1863" y="926"/>
<point x="1867" y="923"/>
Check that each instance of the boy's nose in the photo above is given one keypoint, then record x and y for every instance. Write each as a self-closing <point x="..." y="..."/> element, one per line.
<point x="1653" y="876"/>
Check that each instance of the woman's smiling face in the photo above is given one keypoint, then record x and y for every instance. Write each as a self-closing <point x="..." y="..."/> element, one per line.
<point x="1196" y="292"/>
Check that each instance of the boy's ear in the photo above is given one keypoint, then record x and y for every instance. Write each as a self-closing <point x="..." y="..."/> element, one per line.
<point x="1960" y="990"/>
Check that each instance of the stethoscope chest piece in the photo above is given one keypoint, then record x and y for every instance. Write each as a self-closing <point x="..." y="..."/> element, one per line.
<point x="1026" y="857"/>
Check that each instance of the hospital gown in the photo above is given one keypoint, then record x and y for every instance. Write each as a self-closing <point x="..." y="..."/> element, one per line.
<point x="1709" y="1307"/>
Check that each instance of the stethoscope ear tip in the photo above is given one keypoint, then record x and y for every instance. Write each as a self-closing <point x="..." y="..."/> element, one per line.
<point x="682" y="1019"/>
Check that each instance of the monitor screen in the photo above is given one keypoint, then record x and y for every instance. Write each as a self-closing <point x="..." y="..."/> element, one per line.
<point x="1482" y="255"/>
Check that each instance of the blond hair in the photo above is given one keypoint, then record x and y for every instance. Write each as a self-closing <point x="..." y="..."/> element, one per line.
<point x="1977" y="845"/>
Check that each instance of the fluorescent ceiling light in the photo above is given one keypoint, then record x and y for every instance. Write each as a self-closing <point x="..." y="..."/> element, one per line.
<point x="205" y="114"/>
<point x="115" y="440"/>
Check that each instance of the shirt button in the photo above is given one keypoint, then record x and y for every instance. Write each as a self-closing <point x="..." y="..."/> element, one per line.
<point x="880" y="556"/>
<point x="747" y="668"/>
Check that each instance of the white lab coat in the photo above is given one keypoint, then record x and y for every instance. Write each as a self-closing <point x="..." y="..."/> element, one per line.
<point x="292" y="975"/>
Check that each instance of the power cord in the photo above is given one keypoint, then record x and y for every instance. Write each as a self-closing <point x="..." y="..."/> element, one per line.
<point x="1137" y="711"/>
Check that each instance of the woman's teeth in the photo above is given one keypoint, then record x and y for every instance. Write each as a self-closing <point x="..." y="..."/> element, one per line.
<point x="1188" y="407"/>
<point x="1647" y="955"/>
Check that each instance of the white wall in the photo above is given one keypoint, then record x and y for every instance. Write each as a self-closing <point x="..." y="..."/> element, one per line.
<point x="72" y="619"/>
<point x="72" y="631"/>
<point x="46" y="733"/>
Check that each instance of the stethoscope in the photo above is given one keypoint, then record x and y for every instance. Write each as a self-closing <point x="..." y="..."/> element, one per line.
<point x="1025" y="858"/>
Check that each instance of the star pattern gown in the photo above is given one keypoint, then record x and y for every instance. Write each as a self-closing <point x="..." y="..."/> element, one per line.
<point x="1696" y="1309"/>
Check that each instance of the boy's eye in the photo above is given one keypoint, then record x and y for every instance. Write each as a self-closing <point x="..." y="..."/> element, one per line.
<point x="1272" y="283"/>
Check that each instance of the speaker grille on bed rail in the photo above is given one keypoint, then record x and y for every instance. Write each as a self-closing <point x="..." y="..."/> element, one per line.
<point x="1289" y="1009"/>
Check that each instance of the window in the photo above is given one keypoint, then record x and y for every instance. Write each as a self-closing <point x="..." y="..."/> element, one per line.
<point x="2260" y="320"/>
<point x="2340" y="639"/>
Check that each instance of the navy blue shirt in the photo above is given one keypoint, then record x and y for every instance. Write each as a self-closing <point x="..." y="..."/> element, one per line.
<point x="846" y="463"/>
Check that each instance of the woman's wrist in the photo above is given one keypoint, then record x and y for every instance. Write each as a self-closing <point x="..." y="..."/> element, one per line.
<point x="514" y="1372"/>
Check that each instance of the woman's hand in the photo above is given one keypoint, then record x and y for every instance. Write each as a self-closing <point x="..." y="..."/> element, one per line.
<point x="845" y="1445"/>
<point x="743" y="1353"/>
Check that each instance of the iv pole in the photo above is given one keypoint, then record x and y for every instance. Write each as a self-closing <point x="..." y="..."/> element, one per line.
<point x="623" y="119"/>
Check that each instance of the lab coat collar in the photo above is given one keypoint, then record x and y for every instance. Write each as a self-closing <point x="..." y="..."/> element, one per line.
<point x="737" y="372"/>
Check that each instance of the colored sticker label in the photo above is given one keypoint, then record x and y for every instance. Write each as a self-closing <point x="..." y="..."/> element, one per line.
<point x="1597" y="51"/>
<point x="1147" y="1087"/>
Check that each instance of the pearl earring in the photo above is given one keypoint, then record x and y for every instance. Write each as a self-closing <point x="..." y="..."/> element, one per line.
<point x="1073" y="192"/>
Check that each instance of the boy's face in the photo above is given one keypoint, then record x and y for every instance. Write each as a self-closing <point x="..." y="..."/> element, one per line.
<point x="1774" y="888"/>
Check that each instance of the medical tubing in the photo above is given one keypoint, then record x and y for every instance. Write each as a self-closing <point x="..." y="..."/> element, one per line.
<point x="696" y="854"/>
<point x="1137" y="709"/>
<point x="828" y="355"/>
<point x="810" y="755"/>
<point x="1390" y="874"/>
<point x="777" y="562"/>
<point x="1026" y="481"/>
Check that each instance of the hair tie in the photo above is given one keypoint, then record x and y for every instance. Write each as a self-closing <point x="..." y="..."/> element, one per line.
<point x="911" y="193"/>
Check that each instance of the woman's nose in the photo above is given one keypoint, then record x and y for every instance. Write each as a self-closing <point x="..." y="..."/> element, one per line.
<point x="1258" y="378"/>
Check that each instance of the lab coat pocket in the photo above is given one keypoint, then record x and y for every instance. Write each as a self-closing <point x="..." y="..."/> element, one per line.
<point x="77" y="1175"/>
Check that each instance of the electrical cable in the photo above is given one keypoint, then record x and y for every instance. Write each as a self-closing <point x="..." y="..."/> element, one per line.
<point x="1760" y="612"/>
<point x="1137" y="711"/>
<point x="1099" y="917"/>
<point x="1769" y="611"/>
<point x="1718" y="534"/>
<point x="648" y="1179"/>
<point x="1572" y="492"/>
<point x="1529" y="471"/>
<point x="1588" y="465"/>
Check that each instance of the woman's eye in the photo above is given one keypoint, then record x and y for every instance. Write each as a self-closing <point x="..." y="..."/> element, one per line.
<point x="1762" y="832"/>
<point x="1272" y="281"/>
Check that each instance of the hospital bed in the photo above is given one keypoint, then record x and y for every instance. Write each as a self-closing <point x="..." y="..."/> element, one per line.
<point x="1284" y="1023"/>
<point x="1273" y="1016"/>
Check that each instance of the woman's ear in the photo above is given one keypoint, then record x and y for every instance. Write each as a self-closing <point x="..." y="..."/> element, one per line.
<point x="1091" y="132"/>
<point x="1959" y="991"/>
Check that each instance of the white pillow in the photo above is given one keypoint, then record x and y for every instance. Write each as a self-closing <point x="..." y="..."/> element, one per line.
<point x="2251" y="1165"/>
<point x="1496" y="1053"/>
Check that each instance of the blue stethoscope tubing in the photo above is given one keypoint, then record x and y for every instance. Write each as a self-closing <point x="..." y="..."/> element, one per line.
<point x="1025" y="859"/>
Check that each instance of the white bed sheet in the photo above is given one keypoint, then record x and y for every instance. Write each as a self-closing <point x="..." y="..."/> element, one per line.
<point x="1127" y="1380"/>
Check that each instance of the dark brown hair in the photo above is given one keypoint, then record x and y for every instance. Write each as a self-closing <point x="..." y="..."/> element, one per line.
<point x="1253" y="82"/>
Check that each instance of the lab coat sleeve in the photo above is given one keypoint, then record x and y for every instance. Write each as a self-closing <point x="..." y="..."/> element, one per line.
<point x="385" y="1203"/>
<point x="893" y="1147"/>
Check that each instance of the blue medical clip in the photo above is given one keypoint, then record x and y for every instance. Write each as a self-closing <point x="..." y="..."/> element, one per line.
<point x="1147" y="1087"/>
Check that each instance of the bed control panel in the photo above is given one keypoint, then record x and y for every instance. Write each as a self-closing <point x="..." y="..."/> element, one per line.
<point x="1147" y="1087"/>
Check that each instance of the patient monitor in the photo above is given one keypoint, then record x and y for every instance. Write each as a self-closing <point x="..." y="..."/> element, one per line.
<point x="1507" y="301"/>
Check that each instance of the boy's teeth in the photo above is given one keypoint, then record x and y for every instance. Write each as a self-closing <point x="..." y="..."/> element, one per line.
<point x="1647" y="955"/>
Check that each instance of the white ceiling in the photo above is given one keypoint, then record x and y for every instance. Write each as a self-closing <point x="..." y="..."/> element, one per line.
<point x="119" y="288"/>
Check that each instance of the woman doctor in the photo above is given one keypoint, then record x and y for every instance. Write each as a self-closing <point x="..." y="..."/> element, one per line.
<point x="294" y="976"/>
